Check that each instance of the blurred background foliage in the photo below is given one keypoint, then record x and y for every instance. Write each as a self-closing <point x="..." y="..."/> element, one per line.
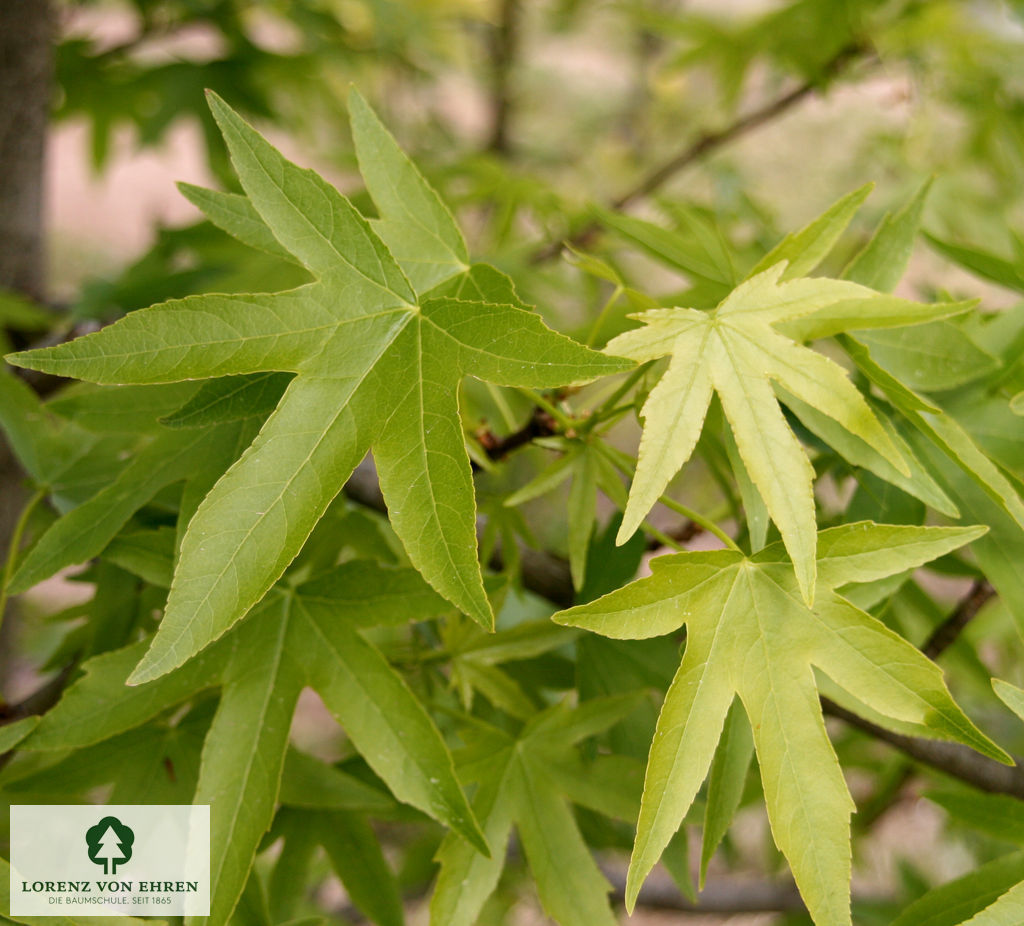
<point x="529" y="114"/>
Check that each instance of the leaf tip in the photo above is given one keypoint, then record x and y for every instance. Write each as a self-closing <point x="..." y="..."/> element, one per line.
<point x="148" y="669"/>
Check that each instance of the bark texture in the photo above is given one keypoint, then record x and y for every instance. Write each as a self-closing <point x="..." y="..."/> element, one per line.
<point x="26" y="83"/>
<point x="26" y="79"/>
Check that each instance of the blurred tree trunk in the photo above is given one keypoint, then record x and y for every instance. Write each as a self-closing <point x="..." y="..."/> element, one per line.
<point x="26" y="78"/>
<point x="26" y="81"/>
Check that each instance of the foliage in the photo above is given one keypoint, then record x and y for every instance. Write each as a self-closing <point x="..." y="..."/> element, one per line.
<point x="521" y="694"/>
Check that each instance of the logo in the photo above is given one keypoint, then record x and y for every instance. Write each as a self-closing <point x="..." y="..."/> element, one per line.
<point x="110" y="844"/>
<point x="78" y="861"/>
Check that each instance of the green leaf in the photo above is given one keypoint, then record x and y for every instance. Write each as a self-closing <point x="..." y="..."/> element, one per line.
<point x="735" y="352"/>
<point x="998" y="815"/>
<point x="244" y="752"/>
<point x="99" y="704"/>
<point x="919" y="483"/>
<point x="120" y="409"/>
<point x="981" y="263"/>
<point x="807" y="248"/>
<point x="415" y="224"/>
<point x="582" y="512"/>
<point x="22" y="314"/>
<point x="517" y="786"/>
<point x="726" y="780"/>
<point x="232" y="398"/>
<point x="1008" y="910"/>
<point x="943" y="433"/>
<point x="370" y="594"/>
<point x="932" y="357"/>
<point x="384" y="720"/>
<point x="1010" y="695"/>
<point x="571" y="886"/>
<point x="157" y="763"/>
<point x="146" y="554"/>
<point x="261" y="668"/>
<point x="236" y="215"/>
<point x="308" y="782"/>
<point x="85" y="531"/>
<point x="749" y="633"/>
<point x="881" y="262"/>
<point x="677" y="250"/>
<point x="14" y="732"/>
<point x="356" y="858"/>
<point x="956" y="902"/>
<point x="999" y="551"/>
<point x="375" y="367"/>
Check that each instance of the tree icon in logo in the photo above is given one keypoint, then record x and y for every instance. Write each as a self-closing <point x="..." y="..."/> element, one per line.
<point x="110" y="844"/>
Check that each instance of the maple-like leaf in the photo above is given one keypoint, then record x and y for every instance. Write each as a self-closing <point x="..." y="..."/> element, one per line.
<point x="379" y="347"/>
<point x="749" y="634"/>
<point x="527" y="779"/>
<point x="737" y="351"/>
<point x="306" y="635"/>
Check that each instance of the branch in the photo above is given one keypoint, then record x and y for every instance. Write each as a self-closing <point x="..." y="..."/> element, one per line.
<point x="704" y="145"/>
<point x="953" y="759"/>
<point x="945" y="634"/>
<point x="541" y="424"/>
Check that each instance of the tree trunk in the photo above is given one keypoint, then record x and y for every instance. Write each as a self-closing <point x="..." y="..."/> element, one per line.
<point x="26" y="77"/>
<point x="26" y="82"/>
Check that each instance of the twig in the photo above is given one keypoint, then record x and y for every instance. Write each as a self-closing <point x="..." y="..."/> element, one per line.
<point x="945" y="634"/>
<point x="950" y="758"/>
<point x="504" y="45"/>
<point x="700" y="148"/>
<point x="541" y="424"/>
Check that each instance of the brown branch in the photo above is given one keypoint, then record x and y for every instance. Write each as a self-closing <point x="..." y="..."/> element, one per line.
<point x="952" y="759"/>
<point x="704" y="145"/>
<point x="943" y="636"/>
<point x="504" y="45"/>
<point x="541" y="424"/>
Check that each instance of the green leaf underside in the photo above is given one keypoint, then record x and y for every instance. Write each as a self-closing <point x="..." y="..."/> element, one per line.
<point x="750" y="634"/>
<point x="376" y="366"/>
<point x="736" y="352"/>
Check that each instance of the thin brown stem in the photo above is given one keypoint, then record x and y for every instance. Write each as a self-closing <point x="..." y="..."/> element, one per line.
<point x="946" y="633"/>
<point x="952" y="759"/>
<point x="541" y="424"/>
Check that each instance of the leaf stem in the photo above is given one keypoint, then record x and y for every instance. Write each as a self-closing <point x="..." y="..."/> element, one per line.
<point x="595" y="329"/>
<point x="601" y="413"/>
<point x="627" y="464"/>
<point x="12" y="551"/>
<point x="553" y="410"/>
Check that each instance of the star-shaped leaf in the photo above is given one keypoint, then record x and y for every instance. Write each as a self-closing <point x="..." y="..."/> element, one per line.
<point x="527" y="779"/>
<point x="737" y="351"/>
<point x="750" y="634"/>
<point x="379" y="347"/>
<point x="296" y="637"/>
